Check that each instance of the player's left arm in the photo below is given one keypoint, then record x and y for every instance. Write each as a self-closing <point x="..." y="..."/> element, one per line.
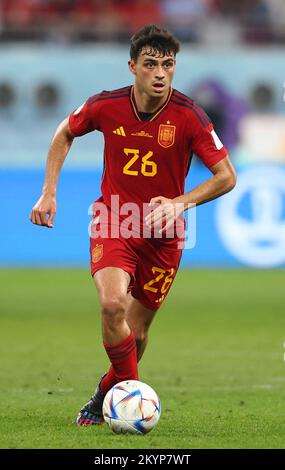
<point x="222" y="181"/>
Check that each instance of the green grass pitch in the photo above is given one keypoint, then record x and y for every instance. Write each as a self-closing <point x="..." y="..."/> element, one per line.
<point x="215" y="357"/>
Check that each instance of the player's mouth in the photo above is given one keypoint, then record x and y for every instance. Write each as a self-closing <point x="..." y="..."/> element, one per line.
<point x="159" y="86"/>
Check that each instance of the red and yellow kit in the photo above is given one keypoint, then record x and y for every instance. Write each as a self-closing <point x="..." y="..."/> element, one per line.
<point x="144" y="159"/>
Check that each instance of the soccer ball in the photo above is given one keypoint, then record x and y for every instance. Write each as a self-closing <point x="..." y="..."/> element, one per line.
<point x="131" y="407"/>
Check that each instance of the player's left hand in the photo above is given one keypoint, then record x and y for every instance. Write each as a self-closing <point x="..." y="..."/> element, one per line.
<point x="165" y="212"/>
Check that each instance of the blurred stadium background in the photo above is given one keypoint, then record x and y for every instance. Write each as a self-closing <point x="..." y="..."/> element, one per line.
<point x="56" y="53"/>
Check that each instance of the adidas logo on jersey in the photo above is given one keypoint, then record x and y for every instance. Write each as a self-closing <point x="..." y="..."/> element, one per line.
<point x="120" y="131"/>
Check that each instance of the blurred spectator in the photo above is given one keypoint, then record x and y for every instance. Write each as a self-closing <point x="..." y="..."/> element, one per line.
<point x="106" y="22"/>
<point x="257" y="24"/>
<point x="223" y="108"/>
<point x="277" y="18"/>
<point x="138" y="13"/>
<point x="260" y="21"/>
<point x="183" y="17"/>
<point x="262" y="132"/>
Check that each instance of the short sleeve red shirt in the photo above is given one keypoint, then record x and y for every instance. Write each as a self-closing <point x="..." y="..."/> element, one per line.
<point x="144" y="159"/>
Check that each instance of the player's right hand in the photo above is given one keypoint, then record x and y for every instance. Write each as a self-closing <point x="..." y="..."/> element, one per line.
<point x="46" y="206"/>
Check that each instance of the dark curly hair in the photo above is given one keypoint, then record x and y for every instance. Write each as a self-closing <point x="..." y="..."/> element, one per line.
<point x="156" y="40"/>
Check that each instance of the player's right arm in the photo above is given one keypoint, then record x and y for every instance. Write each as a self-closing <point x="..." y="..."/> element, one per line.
<point x="59" y="148"/>
<point x="84" y="119"/>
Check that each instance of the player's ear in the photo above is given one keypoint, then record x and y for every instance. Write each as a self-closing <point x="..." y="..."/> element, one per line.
<point x="132" y="66"/>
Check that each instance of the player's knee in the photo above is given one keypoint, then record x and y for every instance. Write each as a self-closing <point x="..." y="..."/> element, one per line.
<point x="113" y="307"/>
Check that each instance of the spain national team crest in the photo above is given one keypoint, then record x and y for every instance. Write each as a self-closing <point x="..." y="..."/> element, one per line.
<point x="97" y="253"/>
<point x="166" y="135"/>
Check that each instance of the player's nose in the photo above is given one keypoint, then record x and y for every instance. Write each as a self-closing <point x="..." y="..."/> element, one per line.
<point x="159" y="73"/>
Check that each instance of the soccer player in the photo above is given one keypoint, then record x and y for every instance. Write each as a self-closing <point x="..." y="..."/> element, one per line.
<point x="151" y="131"/>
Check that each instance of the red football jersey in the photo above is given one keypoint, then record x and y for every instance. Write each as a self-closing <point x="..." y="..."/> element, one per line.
<point x="143" y="159"/>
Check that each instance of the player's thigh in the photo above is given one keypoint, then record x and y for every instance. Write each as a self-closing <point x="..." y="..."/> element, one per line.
<point x="138" y="316"/>
<point x="113" y="263"/>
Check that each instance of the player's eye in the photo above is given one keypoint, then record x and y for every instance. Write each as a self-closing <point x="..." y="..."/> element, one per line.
<point x="150" y="65"/>
<point x="168" y="65"/>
